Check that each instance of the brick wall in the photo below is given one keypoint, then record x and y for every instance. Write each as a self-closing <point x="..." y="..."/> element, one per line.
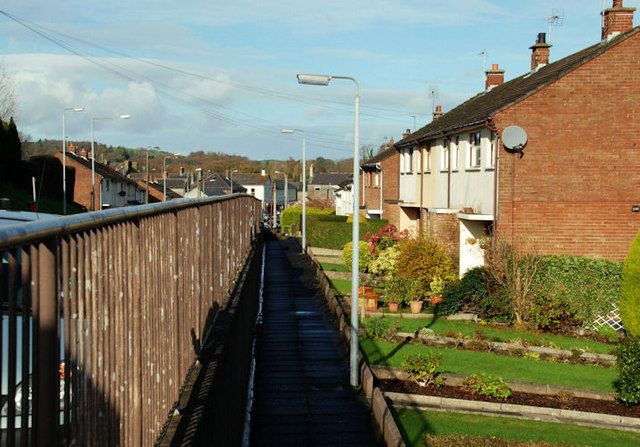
<point x="445" y="228"/>
<point x="579" y="175"/>
<point x="391" y="185"/>
<point x="82" y="186"/>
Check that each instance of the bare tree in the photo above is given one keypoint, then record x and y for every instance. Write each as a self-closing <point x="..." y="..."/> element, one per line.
<point x="7" y="95"/>
<point x="513" y="269"/>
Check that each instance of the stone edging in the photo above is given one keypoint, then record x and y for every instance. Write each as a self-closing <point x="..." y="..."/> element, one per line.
<point x="437" y="340"/>
<point x="517" y="411"/>
<point x="377" y="402"/>
<point x="390" y="372"/>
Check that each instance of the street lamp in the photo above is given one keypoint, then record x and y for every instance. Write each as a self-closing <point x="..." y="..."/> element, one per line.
<point x="164" y="176"/>
<point x="324" y="80"/>
<point x="304" y="185"/>
<point x="231" y="177"/>
<point x="286" y="188"/>
<point x="93" y="156"/>
<point x="64" y="158"/>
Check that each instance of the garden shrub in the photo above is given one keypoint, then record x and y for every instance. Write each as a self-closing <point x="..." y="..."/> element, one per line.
<point x="585" y="287"/>
<point x="487" y="386"/>
<point x="396" y="290"/>
<point x="553" y="315"/>
<point x="468" y="290"/>
<point x="290" y="218"/>
<point x="365" y="256"/>
<point x="384" y="266"/>
<point x="630" y="290"/>
<point x="608" y="334"/>
<point x="423" y="259"/>
<point x="423" y="370"/>
<point x="627" y="385"/>
<point x="377" y="328"/>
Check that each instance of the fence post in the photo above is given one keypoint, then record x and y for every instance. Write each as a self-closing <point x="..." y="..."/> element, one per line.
<point x="46" y="387"/>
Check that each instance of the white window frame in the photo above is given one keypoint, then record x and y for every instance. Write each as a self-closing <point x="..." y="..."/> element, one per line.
<point x="445" y="151"/>
<point x="454" y="150"/>
<point x="493" y="145"/>
<point x="474" y="152"/>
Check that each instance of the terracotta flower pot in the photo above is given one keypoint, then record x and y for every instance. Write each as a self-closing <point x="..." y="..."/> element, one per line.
<point x="393" y="307"/>
<point x="416" y="307"/>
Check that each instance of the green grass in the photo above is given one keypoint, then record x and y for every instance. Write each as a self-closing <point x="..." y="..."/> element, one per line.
<point x="468" y="328"/>
<point x="506" y="367"/>
<point x="414" y="424"/>
<point x="20" y="201"/>
<point x="329" y="267"/>
<point x="343" y="286"/>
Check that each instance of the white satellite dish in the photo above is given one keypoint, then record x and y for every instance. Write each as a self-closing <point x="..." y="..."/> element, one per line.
<point x="514" y="138"/>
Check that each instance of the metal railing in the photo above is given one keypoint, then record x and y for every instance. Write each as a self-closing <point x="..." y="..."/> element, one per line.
<point x="103" y="314"/>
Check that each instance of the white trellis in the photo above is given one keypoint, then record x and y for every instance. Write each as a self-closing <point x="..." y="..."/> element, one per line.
<point x="612" y="319"/>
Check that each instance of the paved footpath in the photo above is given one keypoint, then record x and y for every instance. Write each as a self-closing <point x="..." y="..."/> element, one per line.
<point x="302" y="391"/>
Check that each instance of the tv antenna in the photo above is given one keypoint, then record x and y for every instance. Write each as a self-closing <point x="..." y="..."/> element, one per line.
<point x="555" y="19"/>
<point x="433" y="92"/>
<point x="484" y="53"/>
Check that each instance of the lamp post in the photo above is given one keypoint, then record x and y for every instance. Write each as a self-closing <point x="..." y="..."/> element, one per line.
<point x="286" y="188"/>
<point x="231" y="177"/>
<point x="324" y="80"/>
<point x="304" y="185"/>
<point x="93" y="156"/>
<point x="64" y="158"/>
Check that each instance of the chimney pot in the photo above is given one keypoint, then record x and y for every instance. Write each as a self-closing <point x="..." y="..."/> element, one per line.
<point x="616" y="20"/>
<point x="540" y="52"/>
<point x="494" y="77"/>
<point x="438" y="113"/>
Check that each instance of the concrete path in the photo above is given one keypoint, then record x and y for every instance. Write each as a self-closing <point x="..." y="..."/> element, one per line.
<point x="302" y="391"/>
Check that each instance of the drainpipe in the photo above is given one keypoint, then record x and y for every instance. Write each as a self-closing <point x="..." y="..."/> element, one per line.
<point x="421" y="190"/>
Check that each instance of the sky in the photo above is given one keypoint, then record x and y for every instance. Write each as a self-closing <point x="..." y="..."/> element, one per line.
<point x="220" y="76"/>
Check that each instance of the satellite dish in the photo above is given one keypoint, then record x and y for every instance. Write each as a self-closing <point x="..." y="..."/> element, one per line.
<point x="514" y="138"/>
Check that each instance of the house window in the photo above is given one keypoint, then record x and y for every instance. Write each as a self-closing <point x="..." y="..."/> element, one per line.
<point x="409" y="161"/>
<point x="455" y="153"/>
<point x="106" y="185"/>
<point x="316" y="188"/>
<point x="427" y="158"/>
<point x="493" y="145"/>
<point x="253" y="191"/>
<point x="376" y="179"/>
<point x="444" y="156"/>
<point x="475" y="149"/>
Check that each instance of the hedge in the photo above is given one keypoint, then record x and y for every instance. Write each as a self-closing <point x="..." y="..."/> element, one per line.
<point x="630" y="293"/>
<point x="327" y="234"/>
<point x="589" y="286"/>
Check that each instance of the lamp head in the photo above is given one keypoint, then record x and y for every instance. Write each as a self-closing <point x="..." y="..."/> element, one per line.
<point x="287" y="130"/>
<point x="124" y="117"/>
<point x="78" y="109"/>
<point x="313" y="79"/>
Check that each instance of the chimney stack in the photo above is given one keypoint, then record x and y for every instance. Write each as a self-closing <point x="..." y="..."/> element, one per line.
<point x="71" y="148"/>
<point x="438" y="113"/>
<point x="83" y="152"/>
<point x="540" y="52"/>
<point x="390" y="144"/>
<point x="406" y="134"/>
<point x="616" y="20"/>
<point x="495" y="77"/>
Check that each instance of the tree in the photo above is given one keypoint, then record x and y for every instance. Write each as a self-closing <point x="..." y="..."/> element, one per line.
<point x="630" y="290"/>
<point x="7" y="95"/>
<point x="513" y="269"/>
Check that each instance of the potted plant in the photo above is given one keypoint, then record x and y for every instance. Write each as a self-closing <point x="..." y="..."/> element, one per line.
<point x="417" y="293"/>
<point x="436" y="288"/>
<point x="395" y="291"/>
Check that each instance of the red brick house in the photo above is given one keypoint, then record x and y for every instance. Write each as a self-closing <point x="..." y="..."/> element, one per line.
<point x="574" y="186"/>
<point x="380" y="185"/>
<point x="112" y="189"/>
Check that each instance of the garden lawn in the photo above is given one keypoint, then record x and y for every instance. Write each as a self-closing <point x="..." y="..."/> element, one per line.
<point x="343" y="286"/>
<point x="469" y="329"/>
<point x="457" y="361"/>
<point x="414" y="424"/>
<point x="329" y="267"/>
